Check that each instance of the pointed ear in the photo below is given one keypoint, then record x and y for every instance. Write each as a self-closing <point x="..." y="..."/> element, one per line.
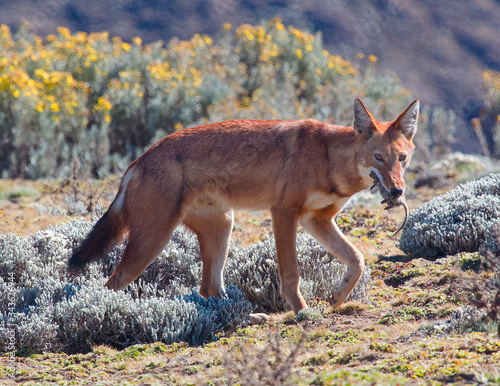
<point x="363" y="120"/>
<point x="408" y="119"/>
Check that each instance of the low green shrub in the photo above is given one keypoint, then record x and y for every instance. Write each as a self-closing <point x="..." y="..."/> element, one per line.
<point x="48" y="310"/>
<point x="461" y="220"/>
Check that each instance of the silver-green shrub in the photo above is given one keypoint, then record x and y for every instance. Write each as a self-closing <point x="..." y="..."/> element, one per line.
<point x="489" y="125"/>
<point x="255" y="271"/>
<point x="461" y="220"/>
<point x="50" y="310"/>
<point x="452" y="166"/>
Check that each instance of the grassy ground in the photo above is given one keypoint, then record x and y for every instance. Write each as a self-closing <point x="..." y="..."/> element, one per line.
<point x="391" y="340"/>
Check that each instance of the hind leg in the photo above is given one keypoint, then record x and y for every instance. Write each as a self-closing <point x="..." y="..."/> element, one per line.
<point x="144" y="245"/>
<point x="285" y="233"/>
<point x="213" y="228"/>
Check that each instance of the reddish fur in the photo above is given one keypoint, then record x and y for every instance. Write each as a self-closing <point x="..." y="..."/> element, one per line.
<point x="300" y="170"/>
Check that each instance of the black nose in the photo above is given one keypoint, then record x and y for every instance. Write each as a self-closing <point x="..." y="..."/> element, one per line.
<point x="396" y="192"/>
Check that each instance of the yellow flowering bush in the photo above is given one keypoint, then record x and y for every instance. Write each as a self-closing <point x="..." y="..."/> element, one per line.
<point x="272" y="50"/>
<point x="102" y="101"/>
<point x="286" y="73"/>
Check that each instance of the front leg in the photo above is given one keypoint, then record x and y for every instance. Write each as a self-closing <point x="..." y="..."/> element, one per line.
<point x="321" y="225"/>
<point x="285" y="234"/>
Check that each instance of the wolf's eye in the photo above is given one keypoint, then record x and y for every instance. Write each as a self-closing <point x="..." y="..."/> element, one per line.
<point x="402" y="157"/>
<point x="379" y="157"/>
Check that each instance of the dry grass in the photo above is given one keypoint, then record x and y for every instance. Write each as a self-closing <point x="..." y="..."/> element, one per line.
<point x="352" y="308"/>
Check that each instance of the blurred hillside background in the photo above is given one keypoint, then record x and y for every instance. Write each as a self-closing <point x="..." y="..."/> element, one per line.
<point x="444" y="53"/>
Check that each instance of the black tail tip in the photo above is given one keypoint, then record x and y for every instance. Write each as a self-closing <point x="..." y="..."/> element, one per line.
<point x="76" y="262"/>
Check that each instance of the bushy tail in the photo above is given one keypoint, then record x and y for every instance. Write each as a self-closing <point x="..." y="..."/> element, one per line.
<point x="103" y="235"/>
